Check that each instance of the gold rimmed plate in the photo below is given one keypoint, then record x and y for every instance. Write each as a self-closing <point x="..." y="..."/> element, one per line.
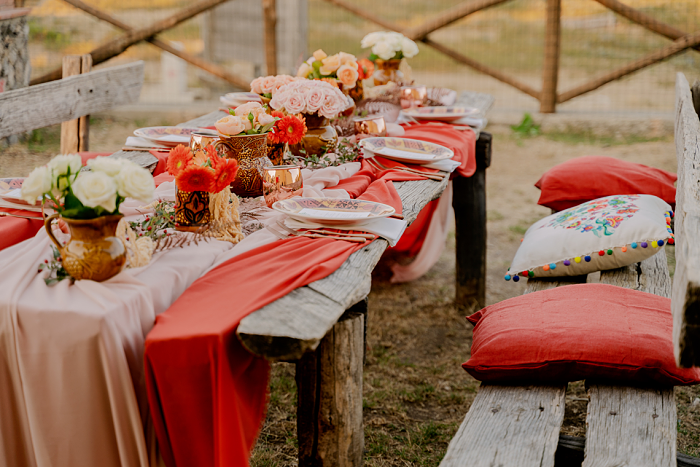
<point x="171" y="136"/>
<point x="446" y="114"/>
<point x="332" y="211"/>
<point x="408" y="151"/>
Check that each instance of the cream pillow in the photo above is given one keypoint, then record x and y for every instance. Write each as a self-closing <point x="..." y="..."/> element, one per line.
<point x="605" y="233"/>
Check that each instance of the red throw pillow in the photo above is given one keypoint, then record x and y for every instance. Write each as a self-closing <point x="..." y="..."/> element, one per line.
<point x="591" y="177"/>
<point x="575" y="332"/>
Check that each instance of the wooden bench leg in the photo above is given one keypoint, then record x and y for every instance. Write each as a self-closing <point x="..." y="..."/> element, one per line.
<point x="469" y="203"/>
<point x="329" y="382"/>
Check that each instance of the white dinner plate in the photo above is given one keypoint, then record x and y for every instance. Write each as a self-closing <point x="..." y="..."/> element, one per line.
<point x="406" y="150"/>
<point x="332" y="211"/>
<point x="446" y="114"/>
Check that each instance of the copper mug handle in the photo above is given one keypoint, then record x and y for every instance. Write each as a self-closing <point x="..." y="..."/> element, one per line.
<point x="47" y="226"/>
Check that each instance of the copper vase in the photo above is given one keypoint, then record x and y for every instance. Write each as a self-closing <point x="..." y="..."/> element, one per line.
<point x="320" y="137"/>
<point x="93" y="251"/>
<point x="275" y="152"/>
<point x="251" y="153"/>
<point x="191" y="210"/>
<point x="387" y="70"/>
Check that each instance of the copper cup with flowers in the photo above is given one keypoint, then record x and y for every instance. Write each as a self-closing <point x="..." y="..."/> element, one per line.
<point x="289" y="129"/>
<point x="198" y="176"/>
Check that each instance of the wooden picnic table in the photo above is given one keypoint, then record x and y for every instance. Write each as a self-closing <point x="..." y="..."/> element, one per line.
<point x="321" y="326"/>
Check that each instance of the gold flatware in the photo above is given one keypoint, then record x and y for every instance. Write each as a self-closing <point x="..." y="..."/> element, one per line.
<point x="300" y="234"/>
<point x="432" y="176"/>
<point x="34" y="218"/>
<point x="142" y="149"/>
<point x="325" y="232"/>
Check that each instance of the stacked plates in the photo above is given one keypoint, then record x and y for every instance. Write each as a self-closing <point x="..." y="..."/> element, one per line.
<point x="170" y="136"/>
<point x="332" y="211"/>
<point x="407" y="151"/>
<point x="234" y="99"/>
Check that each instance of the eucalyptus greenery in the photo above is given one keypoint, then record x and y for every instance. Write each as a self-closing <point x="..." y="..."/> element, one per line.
<point x="155" y="225"/>
<point x="346" y="151"/>
<point x="56" y="271"/>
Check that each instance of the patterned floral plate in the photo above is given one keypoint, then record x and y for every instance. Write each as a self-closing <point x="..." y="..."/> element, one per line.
<point x="9" y="190"/>
<point x="446" y="114"/>
<point x="410" y="151"/>
<point x="332" y="211"/>
<point x="170" y="136"/>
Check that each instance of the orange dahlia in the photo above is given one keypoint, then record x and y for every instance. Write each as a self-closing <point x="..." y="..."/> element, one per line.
<point x="225" y="173"/>
<point x="178" y="159"/>
<point x="290" y="129"/>
<point x="196" y="178"/>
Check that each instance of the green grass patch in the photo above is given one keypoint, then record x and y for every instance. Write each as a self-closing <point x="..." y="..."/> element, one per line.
<point x="588" y="137"/>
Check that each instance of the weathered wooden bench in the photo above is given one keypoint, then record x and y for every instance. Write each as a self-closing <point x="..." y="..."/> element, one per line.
<point x="70" y="100"/>
<point x="626" y="426"/>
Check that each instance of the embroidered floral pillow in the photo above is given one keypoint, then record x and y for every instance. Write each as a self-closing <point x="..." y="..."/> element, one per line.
<point x="605" y="233"/>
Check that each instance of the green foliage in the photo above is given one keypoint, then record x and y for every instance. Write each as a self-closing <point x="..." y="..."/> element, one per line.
<point x="526" y="127"/>
<point x="156" y="224"/>
<point x="56" y="272"/>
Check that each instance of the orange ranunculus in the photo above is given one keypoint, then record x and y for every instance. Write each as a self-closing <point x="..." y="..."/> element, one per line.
<point x="178" y="159"/>
<point x="196" y="178"/>
<point x="365" y="68"/>
<point x="225" y="173"/>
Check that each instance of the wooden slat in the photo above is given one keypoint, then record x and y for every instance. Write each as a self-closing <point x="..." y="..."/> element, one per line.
<point x="644" y="20"/>
<point x="550" y="67"/>
<point x="630" y="427"/>
<point x="294" y="324"/>
<point x="270" y="22"/>
<point x="84" y="121"/>
<point x="120" y="44"/>
<point x="449" y="16"/>
<point x="70" y="128"/>
<point x="212" y="68"/>
<point x="678" y="46"/>
<point x="695" y="92"/>
<point x="685" y="302"/>
<point x="509" y="426"/>
<point x="39" y="106"/>
<point x="535" y="285"/>
<point x="627" y="425"/>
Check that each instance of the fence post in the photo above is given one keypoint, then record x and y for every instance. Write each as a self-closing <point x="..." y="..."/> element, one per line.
<point x="270" y="20"/>
<point x="552" y="41"/>
<point x="74" y="133"/>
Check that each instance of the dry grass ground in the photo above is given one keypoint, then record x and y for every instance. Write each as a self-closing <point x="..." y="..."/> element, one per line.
<point x="415" y="392"/>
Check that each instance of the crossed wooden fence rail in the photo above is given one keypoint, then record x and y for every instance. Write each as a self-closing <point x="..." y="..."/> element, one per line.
<point x="548" y="95"/>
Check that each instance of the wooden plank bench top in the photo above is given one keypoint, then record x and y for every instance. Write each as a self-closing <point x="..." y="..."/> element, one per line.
<point x="626" y="426"/>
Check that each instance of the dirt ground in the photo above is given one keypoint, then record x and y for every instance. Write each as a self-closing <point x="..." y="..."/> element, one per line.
<point x="415" y="391"/>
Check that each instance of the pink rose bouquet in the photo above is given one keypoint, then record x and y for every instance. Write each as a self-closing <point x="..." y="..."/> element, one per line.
<point x="310" y="97"/>
<point x="267" y="86"/>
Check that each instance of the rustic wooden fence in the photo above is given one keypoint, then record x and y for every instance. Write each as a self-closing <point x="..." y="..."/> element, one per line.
<point x="549" y="95"/>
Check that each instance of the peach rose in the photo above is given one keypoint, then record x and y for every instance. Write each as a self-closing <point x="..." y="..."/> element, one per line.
<point x="249" y="107"/>
<point x="319" y="54"/>
<point x="314" y="99"/>
<point x="268" y="83"/>
<point x="332" y="105"/>
<point x="230" y="125"/>
<point x="330" y="64"/>
<point x="265" y="119"/>
<point x="256" y="85"/>
<point x="348" y="75"/>
<point x="345" y="58"/>
<point x="295" y="104"/>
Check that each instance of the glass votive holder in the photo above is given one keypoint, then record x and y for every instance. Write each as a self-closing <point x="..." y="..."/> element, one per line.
<point x="366" y="127"/>
<point x="281" y="182"/>
<point x="413" y="96"/>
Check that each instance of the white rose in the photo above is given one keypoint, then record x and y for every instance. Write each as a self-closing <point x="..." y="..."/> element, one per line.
<point x="280" y="97"/>
<point x="36" y="184"/>
<point x="383" y="50"/>
<point x="394" y="39"/>
<point x="61" y="165"/>
<point x="96" y="189"/>
<point x="408" y="47"/>
<point x="372" y="38"/>
<point x="135" y="182"/>
<point x="109" y="165"/>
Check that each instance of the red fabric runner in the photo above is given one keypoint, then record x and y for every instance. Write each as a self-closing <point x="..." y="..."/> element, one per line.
<point x="463" y="143"/>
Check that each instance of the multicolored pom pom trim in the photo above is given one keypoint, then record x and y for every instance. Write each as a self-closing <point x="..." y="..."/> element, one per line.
<point x="587" y="258"/>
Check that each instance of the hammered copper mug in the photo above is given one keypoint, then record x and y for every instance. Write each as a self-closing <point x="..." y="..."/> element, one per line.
<point x="199" y="141"/>
<point x="281" y="182"/>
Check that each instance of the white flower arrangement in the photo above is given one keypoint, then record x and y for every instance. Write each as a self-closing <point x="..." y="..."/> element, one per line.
<point x="389" y="45"/>
<point x="91" y="194"/>
<point x="311" y="96"/>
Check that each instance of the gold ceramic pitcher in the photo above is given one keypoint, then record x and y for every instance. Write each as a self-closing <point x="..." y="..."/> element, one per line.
<point x="93" y="251"/>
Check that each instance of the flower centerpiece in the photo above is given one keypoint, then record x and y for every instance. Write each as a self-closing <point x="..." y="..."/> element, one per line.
<point x="388" y="49"/>
<point x="340" y="69"/>
<point x="267" y="86"/>
<point x="197" y="176"/>
<point x="319" y="101"/>
<point x="88" y="202"/>
<point x="288" y="129"/>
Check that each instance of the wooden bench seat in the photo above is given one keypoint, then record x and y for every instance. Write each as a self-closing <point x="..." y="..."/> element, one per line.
<point x="626" y="426"/>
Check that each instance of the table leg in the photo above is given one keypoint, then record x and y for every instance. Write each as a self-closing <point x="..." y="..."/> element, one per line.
<point x="469" y="203"/>
<point x="329" y="384"/>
